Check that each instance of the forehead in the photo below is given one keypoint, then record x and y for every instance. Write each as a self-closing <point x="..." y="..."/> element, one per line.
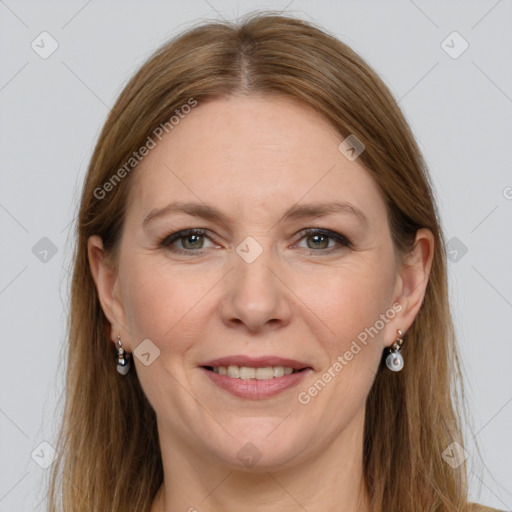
<point x="250" y="152"/>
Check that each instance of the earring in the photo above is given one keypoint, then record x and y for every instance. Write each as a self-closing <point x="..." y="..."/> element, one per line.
<point x="123" y="359"/>
<point x="394" y="360"/>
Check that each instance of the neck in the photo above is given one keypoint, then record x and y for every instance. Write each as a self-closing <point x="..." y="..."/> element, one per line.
<point x="330" y="480"/>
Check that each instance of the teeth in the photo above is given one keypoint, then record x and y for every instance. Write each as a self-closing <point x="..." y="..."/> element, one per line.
<point x="278" y="371"/>
<point x="246" y="372"/>
<point x="234" y="371"/>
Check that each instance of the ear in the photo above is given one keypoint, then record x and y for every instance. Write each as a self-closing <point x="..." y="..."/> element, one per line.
<point x="413" y="279"/>
<point x="107" y="284"/>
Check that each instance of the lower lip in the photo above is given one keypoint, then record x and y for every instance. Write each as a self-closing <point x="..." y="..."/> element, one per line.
<point x="256" y="389"/>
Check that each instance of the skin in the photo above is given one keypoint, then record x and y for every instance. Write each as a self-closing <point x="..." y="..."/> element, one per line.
<point x="253" y="158"/>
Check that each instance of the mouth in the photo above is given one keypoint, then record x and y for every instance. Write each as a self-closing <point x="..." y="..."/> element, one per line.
<point x="254" y="382"/>
<point x="255" y="377"/>
<point x="257" y="373"/>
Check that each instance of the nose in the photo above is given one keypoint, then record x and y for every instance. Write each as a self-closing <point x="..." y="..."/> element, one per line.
<point x="256" y="297"/>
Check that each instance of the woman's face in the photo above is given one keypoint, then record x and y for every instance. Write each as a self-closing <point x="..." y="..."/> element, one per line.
<point x="254" y="284"/>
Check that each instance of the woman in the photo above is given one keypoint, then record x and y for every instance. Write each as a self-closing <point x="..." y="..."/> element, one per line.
<point x="259" y="253"/>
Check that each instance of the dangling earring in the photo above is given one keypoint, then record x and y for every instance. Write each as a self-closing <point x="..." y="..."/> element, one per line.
<point x="395" y="361"/>
<point x="123" y="359"/>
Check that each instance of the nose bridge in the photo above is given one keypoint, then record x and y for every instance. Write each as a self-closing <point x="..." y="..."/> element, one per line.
<point x="252" y="263"/>
<point x="255" y="294"/>
<point x="253" y="260"/>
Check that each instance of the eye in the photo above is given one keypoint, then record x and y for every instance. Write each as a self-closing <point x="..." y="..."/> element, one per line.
<point x="320" y="239"/>
<point x="191" y="240"/>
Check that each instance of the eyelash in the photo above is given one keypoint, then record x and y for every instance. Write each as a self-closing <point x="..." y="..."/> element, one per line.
<point x="340" y="239"/>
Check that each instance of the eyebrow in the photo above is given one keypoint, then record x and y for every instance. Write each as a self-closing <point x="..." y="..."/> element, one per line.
<point x="204" y="211"/>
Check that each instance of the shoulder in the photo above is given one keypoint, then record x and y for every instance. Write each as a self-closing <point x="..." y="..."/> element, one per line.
<point x="475" y="507"/>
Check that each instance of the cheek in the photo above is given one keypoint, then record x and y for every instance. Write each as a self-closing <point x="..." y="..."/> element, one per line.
<point x="355" y="305"/>
<point x="160" y="300"/>
<point x="357" y="302"/>
<point x="350" y="298"/>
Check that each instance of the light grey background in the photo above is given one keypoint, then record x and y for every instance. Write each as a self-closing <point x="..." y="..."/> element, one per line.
<point x="51" y="113"/>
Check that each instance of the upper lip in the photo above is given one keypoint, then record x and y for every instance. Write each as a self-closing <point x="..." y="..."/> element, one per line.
<point x="256" y="362"/>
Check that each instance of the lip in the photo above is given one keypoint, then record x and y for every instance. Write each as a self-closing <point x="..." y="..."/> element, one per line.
<point x="256" y="389"/>
<point x="256" y="362"/>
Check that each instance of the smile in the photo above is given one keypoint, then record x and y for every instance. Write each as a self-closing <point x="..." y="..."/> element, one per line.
<point x="247" y="372"/>
<point x="255" y="383"/>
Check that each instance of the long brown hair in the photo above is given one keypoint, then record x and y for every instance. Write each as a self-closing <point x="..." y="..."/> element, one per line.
<point x="109" y="456"/>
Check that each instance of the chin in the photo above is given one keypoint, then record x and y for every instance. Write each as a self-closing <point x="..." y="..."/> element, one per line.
<point x="266" y="444"/>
